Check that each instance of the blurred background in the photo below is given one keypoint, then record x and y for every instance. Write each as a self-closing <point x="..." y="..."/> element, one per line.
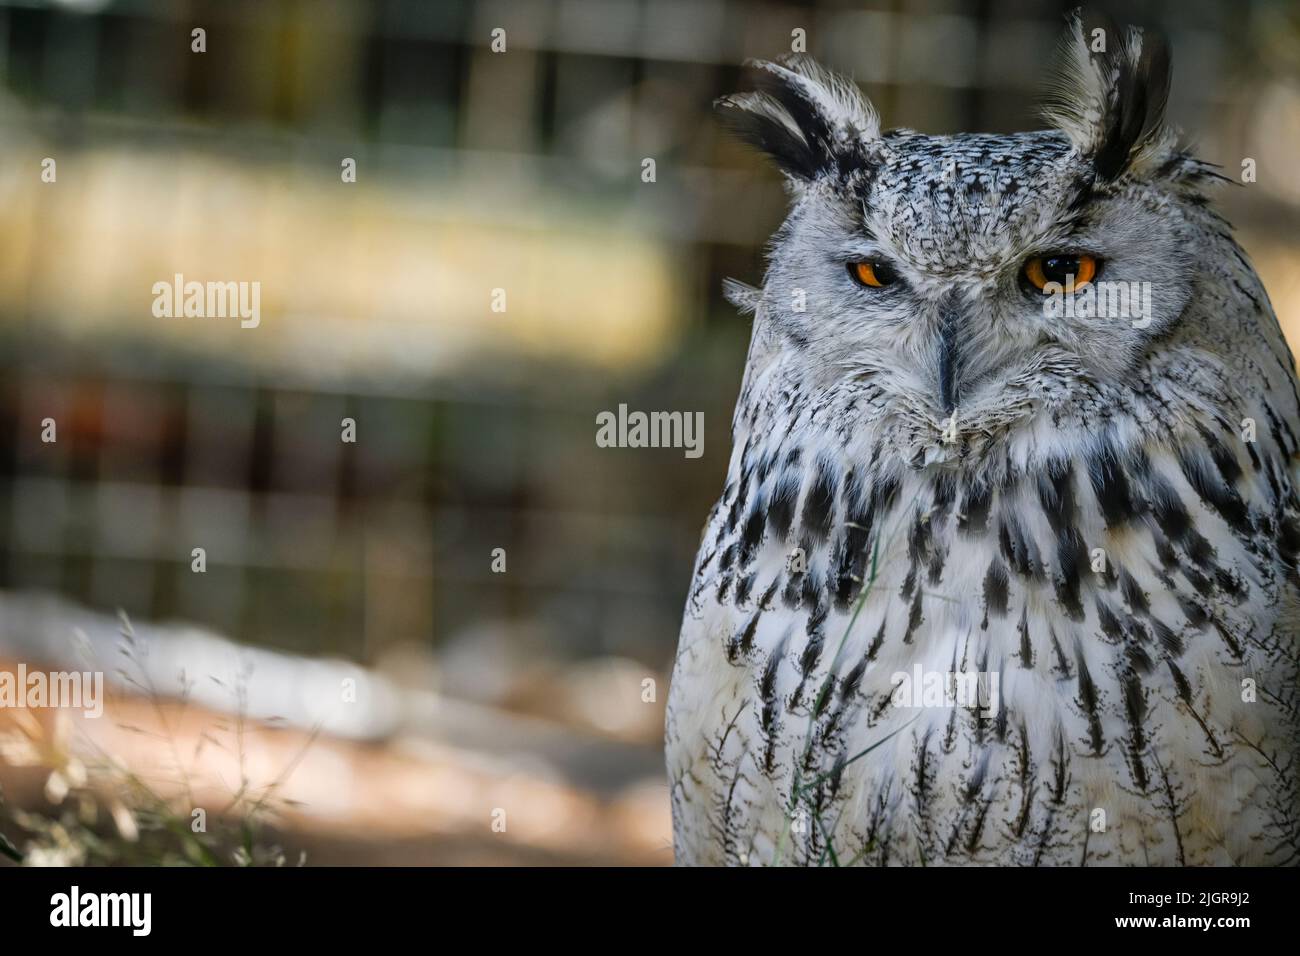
<point x="349" y="671"/>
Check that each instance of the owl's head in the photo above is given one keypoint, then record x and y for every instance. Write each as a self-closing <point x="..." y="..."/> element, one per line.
<point x="975" y="275"/>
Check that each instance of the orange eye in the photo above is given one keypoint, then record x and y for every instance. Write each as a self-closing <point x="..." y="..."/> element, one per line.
<point x="874" y="275"/>
<point x="1059" y="267"/>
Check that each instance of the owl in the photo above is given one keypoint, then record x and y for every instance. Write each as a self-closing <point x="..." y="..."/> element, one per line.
<point x="1004" y="568"/>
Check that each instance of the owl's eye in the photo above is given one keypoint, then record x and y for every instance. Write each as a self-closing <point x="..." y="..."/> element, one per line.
<point x="873" y="274"/>
<point x="1059" y="266"/>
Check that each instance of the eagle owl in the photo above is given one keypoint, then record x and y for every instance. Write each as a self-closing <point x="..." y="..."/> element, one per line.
<point x="1004" y="569"/>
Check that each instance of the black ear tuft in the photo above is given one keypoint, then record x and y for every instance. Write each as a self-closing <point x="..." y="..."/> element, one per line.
<point x="1136" y="106"/>
<point x="808" y="120"/>
<point x="759" y="122"/>
<point x="1109" y="95"/>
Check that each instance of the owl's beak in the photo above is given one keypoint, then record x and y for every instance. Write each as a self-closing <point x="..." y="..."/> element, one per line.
<point x="949" y="361"/>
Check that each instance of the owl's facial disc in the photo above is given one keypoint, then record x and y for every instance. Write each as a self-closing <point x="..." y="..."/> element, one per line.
<point x="920" y="271"/>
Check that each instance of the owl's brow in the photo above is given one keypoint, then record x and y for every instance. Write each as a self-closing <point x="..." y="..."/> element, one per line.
<point x="1083" y="193"/>
<point x="1075" y="210"/>
<point x="864" y="222"/>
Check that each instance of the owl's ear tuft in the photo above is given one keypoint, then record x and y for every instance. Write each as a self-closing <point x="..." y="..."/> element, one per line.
<point x="810" y="121"/>
<point x="1108" y="95"/>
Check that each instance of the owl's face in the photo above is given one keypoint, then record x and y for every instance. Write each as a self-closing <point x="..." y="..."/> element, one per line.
<point x="934" y="273"/>
<point x="959" y="273"/>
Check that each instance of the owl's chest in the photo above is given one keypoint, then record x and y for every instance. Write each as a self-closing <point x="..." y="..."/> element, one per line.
<point x="920" y="664"/>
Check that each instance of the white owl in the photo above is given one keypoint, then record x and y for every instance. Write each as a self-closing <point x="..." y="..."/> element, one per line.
<point x="1004" y="571"/>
